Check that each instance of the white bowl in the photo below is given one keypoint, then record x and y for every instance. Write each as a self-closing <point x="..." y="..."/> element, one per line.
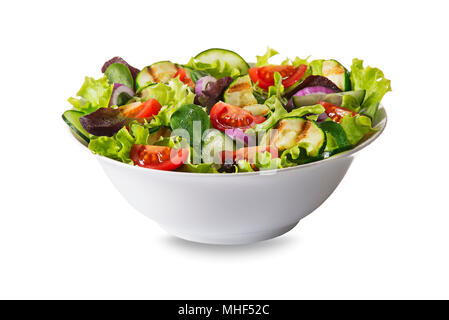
<point x="232" y="208"/>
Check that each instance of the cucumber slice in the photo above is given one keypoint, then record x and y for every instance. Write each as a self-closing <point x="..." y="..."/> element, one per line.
<point x="334" y="98"/>
<point x="224" y="55"/>
<point x="214" y="142"/>
<point x="72" y="118"/>
<point x="292" y="131"/>
<point x="337" y="73"/>
<point x="240" y="92"/>
<point x="162" y="71"/>
<point x="337" y="132"/>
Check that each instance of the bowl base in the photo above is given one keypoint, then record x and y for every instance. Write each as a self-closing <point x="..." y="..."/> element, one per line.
<point x="231" y="239"/>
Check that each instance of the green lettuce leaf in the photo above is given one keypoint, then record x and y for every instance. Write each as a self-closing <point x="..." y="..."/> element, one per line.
<point x="263" y="161"/>
<point x="94" y="94"/>
<point x="299" y="154"/>
<point x="316" y="67"/>
<point x="373" y="81"/>
<point x="263" y="60"/>
<point x="118" y="146"/>
<point x="356" y="127"/>
<point x="217" y="68"/>
<point x="277" y="89"/>
<point x="295" y="62"/>
<point x="316" y="109"/>
<point x="278" y="111"/>
<point x="171" y="97"/>
<point x="199" y="168"/>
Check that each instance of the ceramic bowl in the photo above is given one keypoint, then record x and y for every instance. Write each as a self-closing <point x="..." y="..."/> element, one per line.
<point x="236" y="208"/>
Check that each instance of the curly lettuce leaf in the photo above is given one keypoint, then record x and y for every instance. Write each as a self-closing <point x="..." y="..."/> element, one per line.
<point x="262" y="160"/>
<point x="295" y="62"/>
<point x="217" y="68"/>
<point x="316" y="109"/>
<point x="299" y="154"/>
<point x="373" y="81"/>
<point x="171" y="97"/>
<point x="263" y="60"/>
<point x="316" y="67"/>
<point x="118" y="146"/>
<point x="94" y="94"/>
<point x="356" y="127"/>
<point x="199" y="168"/>
<point x="278" y="111"/>
<point x="277" y="89"/>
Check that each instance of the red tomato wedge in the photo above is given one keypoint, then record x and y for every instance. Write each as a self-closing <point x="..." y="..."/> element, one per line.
<point x="158" y="157"/>
<point x="139" y="110"/>
<point x="224" y="116"/>
<point x="149" y="108"/>
<point x="182" y="74"/>
<point x="265" y="75"/>
<point x="334" y="112"/>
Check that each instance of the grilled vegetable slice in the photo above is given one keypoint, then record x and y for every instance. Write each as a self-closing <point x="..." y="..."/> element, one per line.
<point x="162" y="71"/>
<point x="335" y="72"/>
<point x="240" y="92"/>
<point x="292" y="131"/>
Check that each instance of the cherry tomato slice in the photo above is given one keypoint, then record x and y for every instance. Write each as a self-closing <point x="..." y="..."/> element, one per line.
<point x="264" y="76"/>
<point x="182" y="74"/>
<point x="295" y="77"/>
<point x="334" y="112"/>
<point x="224" y="116"/>
<point x="158" y="157"/>
<point x="254" y="75"/>
<point x="149" y="108"/>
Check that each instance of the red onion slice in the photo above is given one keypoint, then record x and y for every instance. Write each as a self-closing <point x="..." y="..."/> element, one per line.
<point x="238" y="134"/>
<point x="120" y="92"/>
<point x="201" y="84"/>
<point x="311" y="90"/>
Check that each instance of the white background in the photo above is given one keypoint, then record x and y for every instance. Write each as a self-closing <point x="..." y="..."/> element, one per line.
<point x="65" y="232"/>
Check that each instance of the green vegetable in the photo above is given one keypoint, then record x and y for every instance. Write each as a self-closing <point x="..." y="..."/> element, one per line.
<point x="162" y="71"/>
<point x="277" y="89"/>
<point x="263" y="60"/>
<point x="296" y="62"/>
<point x="214" y="142"/>
<point x="199" y="168"/>
<point x="240" y="92"/>
<point x="171" y="97"/>
<point x="316" y="67"/>
<point x="118" y="146"/>
<point x="356" y="127"/>
<point x="336" y="136"/>
<point x="119" y="73"/>
<point x="295" y="156"/>
<point x="72" y="118"/>
<point x="302" y="111"/>
<point x="193" y="119"/>
<point x="219" y="63"/>
<point x="94" y="94"/>
<point x="196" y="74"/>
<point x="262" y="160"/>
<point x="373" y="81"/>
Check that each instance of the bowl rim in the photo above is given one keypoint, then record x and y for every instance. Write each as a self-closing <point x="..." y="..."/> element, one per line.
<point x="380" y="126"/>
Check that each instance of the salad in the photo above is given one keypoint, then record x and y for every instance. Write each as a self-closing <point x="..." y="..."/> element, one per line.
<point x="219" y="114"/>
